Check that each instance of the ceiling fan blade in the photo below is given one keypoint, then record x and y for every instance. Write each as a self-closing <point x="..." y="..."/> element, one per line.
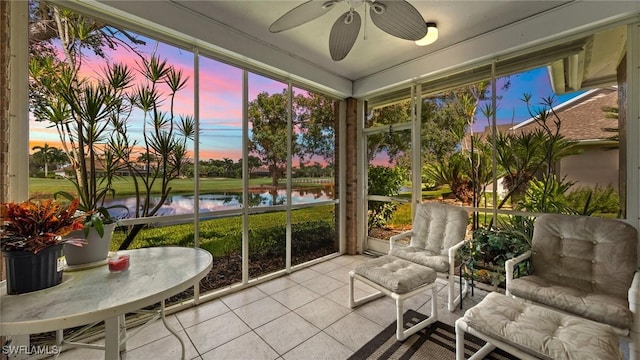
<point x="343" y="35"/>
<point x="301" y="14"/>
<point x="398" y="18"/>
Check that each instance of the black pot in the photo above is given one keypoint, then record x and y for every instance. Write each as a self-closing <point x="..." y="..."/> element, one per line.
<point x="28" y="272"/>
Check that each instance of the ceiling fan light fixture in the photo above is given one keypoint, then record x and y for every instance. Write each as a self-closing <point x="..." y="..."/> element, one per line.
<point x="430" y="37"/>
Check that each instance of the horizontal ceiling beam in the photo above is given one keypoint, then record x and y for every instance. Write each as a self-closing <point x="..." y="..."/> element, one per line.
<point x="573" y="19"/>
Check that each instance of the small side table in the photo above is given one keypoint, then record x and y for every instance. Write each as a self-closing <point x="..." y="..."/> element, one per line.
<point x="93" y="295"/>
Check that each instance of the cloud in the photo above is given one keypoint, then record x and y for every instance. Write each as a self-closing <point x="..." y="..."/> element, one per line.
<point x="215" y="154"/>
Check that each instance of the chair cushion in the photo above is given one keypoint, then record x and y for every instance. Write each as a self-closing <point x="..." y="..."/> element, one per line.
<point x="399" y="276"/>
<point x="602" y="308"/>
<point x="542" y="332"/>
<point x="591" y="254"/>
<point x="437" y="227"/>
<point x="420" y="256"/>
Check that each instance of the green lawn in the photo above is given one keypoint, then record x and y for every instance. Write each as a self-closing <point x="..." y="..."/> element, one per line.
<point x="218" y="235"/>
<point x="43" y="188"/>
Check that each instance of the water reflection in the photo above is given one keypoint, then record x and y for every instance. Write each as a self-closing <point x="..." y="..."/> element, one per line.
<point x="183" y="204"/>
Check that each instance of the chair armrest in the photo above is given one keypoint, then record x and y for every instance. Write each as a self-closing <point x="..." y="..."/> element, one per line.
<point x="510" y="264"/>
<point x="454" y="249"/>
<point x="394" y="238"/>
<point x="452" y="255"/>
<point x="634" y="301"/>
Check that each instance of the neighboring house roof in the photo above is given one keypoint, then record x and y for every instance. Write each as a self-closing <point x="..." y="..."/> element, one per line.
<point x="262" y="170"/>
<point x="582" y="118"/>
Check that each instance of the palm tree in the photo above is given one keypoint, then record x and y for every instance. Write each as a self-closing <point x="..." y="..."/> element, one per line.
<point x="47" y="153"/>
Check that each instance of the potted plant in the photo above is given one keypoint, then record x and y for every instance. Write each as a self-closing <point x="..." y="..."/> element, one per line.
<point x="98" y="228"/>
<point x="483" y="257"/>
<point x="31" y="239"/>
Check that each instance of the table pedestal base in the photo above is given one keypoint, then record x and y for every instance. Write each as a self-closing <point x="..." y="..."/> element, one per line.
<point x="116" y="337"/>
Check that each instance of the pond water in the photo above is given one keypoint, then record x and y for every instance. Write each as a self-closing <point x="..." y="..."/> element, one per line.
<point x="183" y="204"/>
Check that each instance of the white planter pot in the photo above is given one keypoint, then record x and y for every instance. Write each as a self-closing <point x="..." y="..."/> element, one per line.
<point x="96" y="249"/>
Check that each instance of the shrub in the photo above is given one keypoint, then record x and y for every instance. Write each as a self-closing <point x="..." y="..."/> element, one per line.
<point x="588" y="201"/>
<point x="547" y="195"/>
<point x="311" y="236"/>
<point x="305" y="237"/>
<point x="384" y="181"/>
<point x="553" y="195"/>
<point x="271" y="241"/>
<point x="490" y="249"/>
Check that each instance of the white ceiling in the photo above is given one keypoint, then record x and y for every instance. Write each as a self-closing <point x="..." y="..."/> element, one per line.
<point x="239" y="30"/>
<point x="374" y="50"/>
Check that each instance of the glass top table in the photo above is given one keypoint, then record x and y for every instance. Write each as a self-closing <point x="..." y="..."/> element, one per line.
<point x="96" y="294"/>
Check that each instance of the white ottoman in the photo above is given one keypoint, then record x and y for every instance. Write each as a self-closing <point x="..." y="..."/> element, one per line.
<point x="400" y="280"/>
<point x="532" y="332"/>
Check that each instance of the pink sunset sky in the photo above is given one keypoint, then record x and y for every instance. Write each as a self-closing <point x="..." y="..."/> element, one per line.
<point x="221" y="98"/>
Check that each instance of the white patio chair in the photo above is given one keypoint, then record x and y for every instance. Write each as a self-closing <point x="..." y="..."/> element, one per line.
<point x="438" y="232"/>
<point x="586" y="266"/>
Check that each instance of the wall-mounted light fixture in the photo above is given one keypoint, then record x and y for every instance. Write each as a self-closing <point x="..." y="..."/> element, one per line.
<point x="430" y="37"/>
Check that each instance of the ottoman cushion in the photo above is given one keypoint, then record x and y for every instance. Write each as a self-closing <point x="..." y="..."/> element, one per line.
<point x="542" y="332"/>
<point x="397" y="275"/>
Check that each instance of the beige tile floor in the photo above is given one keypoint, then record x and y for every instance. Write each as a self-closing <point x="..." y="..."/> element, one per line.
<point x="304" y="315"/>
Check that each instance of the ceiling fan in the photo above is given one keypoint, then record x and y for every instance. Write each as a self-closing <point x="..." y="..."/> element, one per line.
<point x="395" y="17"/>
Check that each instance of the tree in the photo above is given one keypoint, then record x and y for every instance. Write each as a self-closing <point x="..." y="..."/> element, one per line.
<point x="442" y="129"/>
<point x="313" y="129"/>
<point x="229" y="167"/>
<point x="316" y="123"/>
<point x="47" y="23"/>
<point x="454" y="170"/>
<point x="79" y="109"/>
<point x="445" y="119"/>
<point x="253" y="163"/>
<point x="393" y="143"/>
<point x="268" y="115"/>
<point x="165" y="137"/>
<point x="93" y="115"/>
<point x="48" y="155"/>
<point x="526" y="155"/>
<point x="384" y="181"/>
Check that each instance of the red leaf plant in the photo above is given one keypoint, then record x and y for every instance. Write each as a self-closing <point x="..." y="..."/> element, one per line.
<point x="36" y="225"/>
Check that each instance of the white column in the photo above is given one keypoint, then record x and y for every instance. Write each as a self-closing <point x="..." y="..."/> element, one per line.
<point x="290" y="130"/>
<point x="416" y="146"/>
<point x="341" y="128"/>
<point x="196" y="162"/>
<point x="18" y="102"/>
<point x="362" y="180"/>
<point x="633" y="124"/>
<point x="245" y="177"/>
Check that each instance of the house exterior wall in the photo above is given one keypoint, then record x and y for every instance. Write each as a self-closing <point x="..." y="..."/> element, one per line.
<point x="594" y="166"/>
